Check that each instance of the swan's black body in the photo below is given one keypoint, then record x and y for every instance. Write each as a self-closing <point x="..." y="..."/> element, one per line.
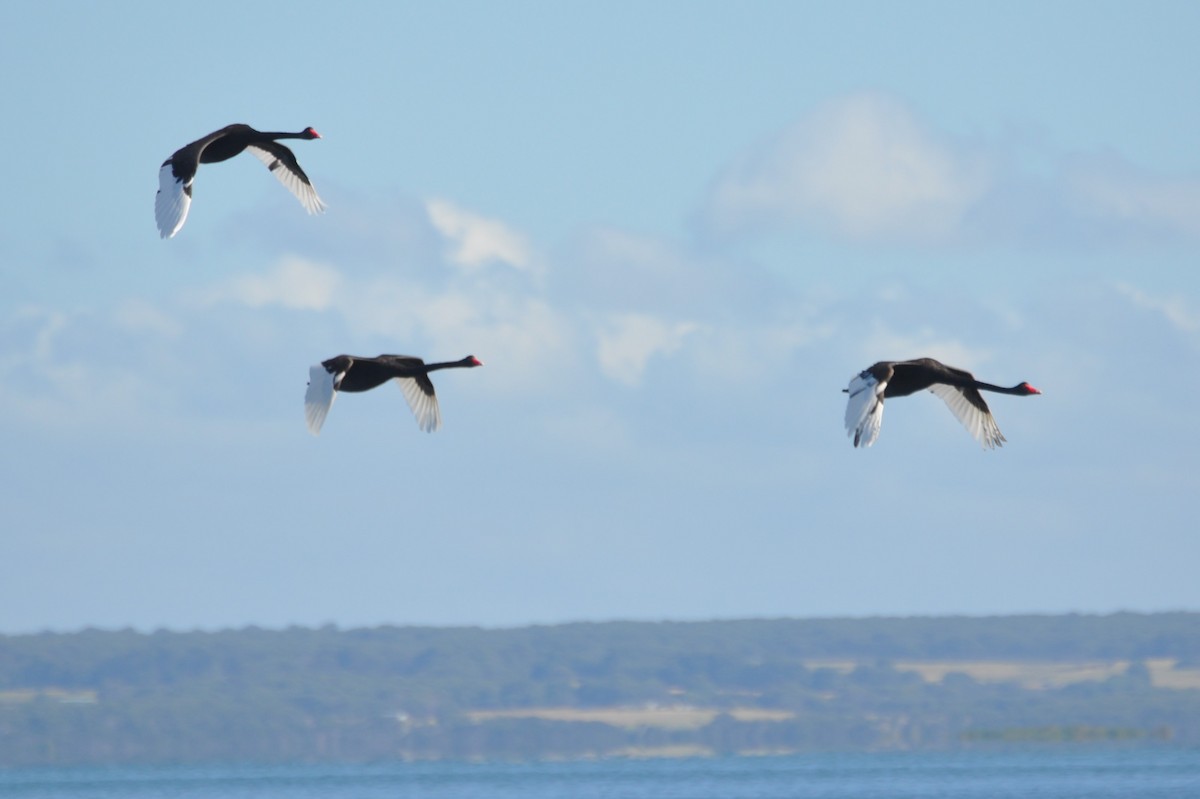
<point x="957" y="387"/>
<point x="364" y="374"/>
<point x="354" y="374"/>
<point x="231" y="140"/>
<point x="178" y="172"/>
<point x="909" y="377"/>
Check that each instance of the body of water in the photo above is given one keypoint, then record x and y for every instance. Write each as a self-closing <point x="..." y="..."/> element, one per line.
<point x="1045" y="773"/>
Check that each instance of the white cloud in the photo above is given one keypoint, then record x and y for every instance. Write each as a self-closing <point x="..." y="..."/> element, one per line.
<point x="530" y="344"/>
<point x="628" y="341"/>
<point x="1113" y="190"/>
<point x="1174" y="309"/>
<point x="867" y="168"/>
<point x="511" y="327"/>
<point x="294" y="283"/>
<point x="884" y="344"/>
<point x="617" y="271"/>
<point x="477" y="240"/>
<point x="746" y="352"/>
<point x="50" y="376"/>
<point x="863" y="166"/>
<point x="141" y="317"/>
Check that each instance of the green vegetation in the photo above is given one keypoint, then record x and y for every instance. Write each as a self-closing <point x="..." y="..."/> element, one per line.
<point x="706" y="687"/>
<point x="1060" y="734"/>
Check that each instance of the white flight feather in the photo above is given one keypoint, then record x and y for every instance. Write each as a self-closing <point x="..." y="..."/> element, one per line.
<point x="980" y="424"/>
<point x="171" y="203"/>
<point x="304" y="192"/>
<point x="864" y="409"/>
<point x="318" y="399"/>
<point x="424" y="406"/>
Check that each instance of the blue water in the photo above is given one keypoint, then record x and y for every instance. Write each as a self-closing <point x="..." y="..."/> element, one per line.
<point x="1051" y="773"/>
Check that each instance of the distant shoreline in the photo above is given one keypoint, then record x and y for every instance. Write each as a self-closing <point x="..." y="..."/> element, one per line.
<point x="616" y="689"/>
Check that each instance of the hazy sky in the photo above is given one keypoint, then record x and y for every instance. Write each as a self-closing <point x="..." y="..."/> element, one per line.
<point x="673" y="232"/>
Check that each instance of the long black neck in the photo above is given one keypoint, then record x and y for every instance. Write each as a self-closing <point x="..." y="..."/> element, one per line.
<point x="465" y="362"/>
<point x="1017" y="389"/>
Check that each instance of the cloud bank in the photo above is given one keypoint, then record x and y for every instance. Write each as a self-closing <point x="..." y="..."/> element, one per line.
<point x="867" y="168"/>
<point x="476" y="240"/>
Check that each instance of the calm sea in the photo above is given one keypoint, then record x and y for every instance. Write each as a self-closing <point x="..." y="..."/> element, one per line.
<point x="1035" y="774"/>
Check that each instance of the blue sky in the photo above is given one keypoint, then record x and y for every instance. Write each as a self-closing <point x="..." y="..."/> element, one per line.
<point x="673" y="232"/>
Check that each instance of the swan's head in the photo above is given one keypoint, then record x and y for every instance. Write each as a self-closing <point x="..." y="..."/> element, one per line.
<point x="311" y="133"/>
<point x="471" y="360"/>
<point x="1028" y="389"/>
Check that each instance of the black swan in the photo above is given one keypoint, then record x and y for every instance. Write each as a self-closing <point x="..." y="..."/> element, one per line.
<point x="352" y="373"/>
<point x="957" y="387"/>
<point x="179" y="171"/>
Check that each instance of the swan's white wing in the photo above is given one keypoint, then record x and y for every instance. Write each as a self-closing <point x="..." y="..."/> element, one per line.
<point x="424" y="406"/>
<point x="301" y="188"/>
<point x="864" y="409"/>
<point x="172" y="201"/>
<point x="979" y="422"/>
<point x="319" y="397"/>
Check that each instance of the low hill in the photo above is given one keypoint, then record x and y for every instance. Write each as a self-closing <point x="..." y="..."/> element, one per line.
<point x="597" y="689"/>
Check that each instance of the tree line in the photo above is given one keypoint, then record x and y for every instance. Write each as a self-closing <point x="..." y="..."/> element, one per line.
<point x="98" y="696"/>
